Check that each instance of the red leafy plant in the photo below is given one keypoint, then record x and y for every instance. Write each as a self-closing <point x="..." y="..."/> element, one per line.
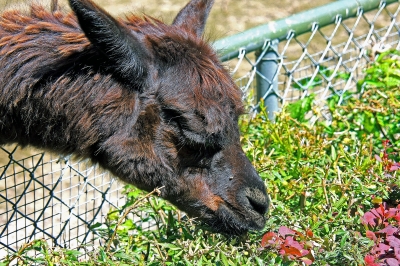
<point x="292" y="245"/>
<point x="383" y="227"/>
<point x="389" y="165"/>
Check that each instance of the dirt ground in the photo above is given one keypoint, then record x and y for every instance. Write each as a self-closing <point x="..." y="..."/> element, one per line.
<point x="227" y="16"/>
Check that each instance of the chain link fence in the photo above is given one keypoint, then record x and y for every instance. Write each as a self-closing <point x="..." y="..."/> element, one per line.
<point x="42" y="196"/>
<point x="321" y="51"/>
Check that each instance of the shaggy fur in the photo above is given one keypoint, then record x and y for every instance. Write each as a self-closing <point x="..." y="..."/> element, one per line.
<point x="150" y="102"/>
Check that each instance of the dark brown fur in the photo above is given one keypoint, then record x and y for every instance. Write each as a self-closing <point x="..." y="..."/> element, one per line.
<point x="150" y="102"/>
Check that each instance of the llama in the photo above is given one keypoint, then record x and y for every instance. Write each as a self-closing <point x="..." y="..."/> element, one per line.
<point x="149" y="102"/>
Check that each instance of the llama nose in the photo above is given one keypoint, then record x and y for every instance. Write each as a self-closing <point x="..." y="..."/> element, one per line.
<point x="255" y="199"/>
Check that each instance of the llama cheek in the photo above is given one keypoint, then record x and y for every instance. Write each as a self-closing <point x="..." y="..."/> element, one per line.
<point x="212" y="202"/>
<point x="201" y="191"/>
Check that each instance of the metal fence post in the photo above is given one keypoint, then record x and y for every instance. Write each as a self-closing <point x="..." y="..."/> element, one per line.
<point x="267" y="84"/>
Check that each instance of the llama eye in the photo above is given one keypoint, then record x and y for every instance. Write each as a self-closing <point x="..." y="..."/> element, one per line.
<point x="203" y="149"/>
<point x="170" y="115"/>
<point x="195" y="155"/>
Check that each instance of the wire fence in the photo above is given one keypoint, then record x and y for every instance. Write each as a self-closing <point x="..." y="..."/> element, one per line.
<point x="51" y="198"/>
<point x="321" y="51"/>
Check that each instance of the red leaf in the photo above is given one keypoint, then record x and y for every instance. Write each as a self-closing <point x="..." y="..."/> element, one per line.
<point x="393" y="241"/>
<point x="385" y="143"/>
<point x="377" y="158"/>
<point x="385" y="156"/>
<point x="283" y="231"/>
<point x="397" y="253"/>
<point x="290" y="242"/>
<point x="390" y="213"/>
<point x="381" y="210"/>
<point x="382" y="248"/>
<point x="291" y="252"/>
<point x="388" y="230"/>
<point x="368" y="219"/>
<point x="309" y="233"/>
<point x="392" y="262"/>
<point x="370" y="261"/>
<point x="371" y="235"/>
<point x="304" y="252"/>
<point x="397" y="217"/>
<point x="394" y="167"/>
<point x="268" y="238"/>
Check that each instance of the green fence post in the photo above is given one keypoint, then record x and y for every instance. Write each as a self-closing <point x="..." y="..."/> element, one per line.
<point x="267" y="83"/>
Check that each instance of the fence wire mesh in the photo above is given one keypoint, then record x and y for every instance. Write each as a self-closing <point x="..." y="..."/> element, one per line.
<point x="51" y="198"/>
<point x="325" y="61"/>
<point x="44" y="196"/>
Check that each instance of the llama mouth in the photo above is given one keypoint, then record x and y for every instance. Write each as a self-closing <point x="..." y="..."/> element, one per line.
<point x="227" y="219"/>
<point x="247" y="213"/>
<point x="227" y="213"/>
<point x="236" y="216"/>
<point x="247" y="216"/>
<point x="233" y="221"/>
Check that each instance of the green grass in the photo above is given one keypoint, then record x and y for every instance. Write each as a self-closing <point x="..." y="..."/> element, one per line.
<point x="322" y="180"/>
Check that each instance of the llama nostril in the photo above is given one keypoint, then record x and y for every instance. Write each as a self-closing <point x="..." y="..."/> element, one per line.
<point x="259" y="204"/>
<point x="256" y="199"/>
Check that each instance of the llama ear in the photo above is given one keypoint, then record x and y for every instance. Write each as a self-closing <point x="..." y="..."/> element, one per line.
<point x="124" y="48"/>
<point x="193" y="16"/>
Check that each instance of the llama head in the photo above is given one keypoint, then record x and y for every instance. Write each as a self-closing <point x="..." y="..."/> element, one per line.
<point x="185" y="135"/>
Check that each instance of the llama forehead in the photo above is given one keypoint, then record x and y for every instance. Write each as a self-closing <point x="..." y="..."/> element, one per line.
<point x="191" y="67"/>
<point x="188" y="55"/>
<point x="170" y="39"/>
<point x="202" y="89"/>
<point x="173" y="46"/>
<point x="216" y="90"/>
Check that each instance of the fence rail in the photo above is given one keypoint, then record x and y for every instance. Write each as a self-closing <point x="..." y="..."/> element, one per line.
<point x="254" y="39"/>
<point x="321" y="51"/>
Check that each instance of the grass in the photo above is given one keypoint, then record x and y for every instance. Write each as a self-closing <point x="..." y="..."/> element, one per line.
<point x="334" y="189"/>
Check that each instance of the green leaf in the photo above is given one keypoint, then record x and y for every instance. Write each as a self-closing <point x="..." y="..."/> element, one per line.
<point x="369" y="122"/>
<point x="224" y="259"/>
<point x="122" y="255"/>
<point x="94" y="226"/>
<point x="333" y="153"/>
<point x="102" y="255"/>
<point x="73" y="254"/>
<point x="300" y="108"/>
<point x="170" y="246"/>
<point x="113" y="215"/>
